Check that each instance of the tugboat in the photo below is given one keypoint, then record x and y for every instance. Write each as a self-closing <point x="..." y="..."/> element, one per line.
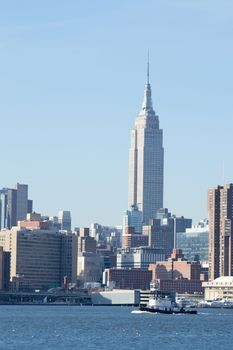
<point x="163" y="303"/>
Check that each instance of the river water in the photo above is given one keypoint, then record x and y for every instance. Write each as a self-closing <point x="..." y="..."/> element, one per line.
<point x="87" y="327"/>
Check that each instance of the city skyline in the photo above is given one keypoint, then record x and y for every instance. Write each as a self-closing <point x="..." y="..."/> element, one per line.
<point x="116" y="174"/>
<point x="72" y="78"/>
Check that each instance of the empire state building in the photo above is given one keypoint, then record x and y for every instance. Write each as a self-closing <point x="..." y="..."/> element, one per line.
<point x="146" y="159"/>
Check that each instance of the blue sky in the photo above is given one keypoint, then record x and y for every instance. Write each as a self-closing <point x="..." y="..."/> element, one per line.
<point x="72" y="75"/>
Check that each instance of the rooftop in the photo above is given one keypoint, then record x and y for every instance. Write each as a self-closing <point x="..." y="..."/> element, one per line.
<point x="224" y="279"/>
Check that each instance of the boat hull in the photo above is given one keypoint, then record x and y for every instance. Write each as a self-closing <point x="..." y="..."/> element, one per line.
<point x="169" y="311"/>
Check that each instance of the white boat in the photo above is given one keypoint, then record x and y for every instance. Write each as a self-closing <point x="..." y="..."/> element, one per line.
<point x="163" y="304"/>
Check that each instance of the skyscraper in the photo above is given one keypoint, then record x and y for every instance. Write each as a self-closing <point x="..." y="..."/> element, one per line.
<point x="64" y="219"/>
<point x="220" y="206"/>
<point x="22" y="202"/>
<point x="14" y="205"/>
<point x="146" y="159"/>
<point x="3" y="208"/>
<point x="133" y="218"/>
<point x="12" y="208"/>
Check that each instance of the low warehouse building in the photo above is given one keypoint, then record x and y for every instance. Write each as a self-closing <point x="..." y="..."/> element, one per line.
<point x="116" y="297"/>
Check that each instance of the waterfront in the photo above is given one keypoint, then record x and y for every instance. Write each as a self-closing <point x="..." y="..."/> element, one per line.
<point x="66" y="327"/>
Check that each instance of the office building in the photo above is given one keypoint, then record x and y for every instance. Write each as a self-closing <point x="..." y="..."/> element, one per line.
<point x="130" y="239"/>
<point x="161" y="231"/>
<point x="146" y="160"/>
<point x="89" y="268"/>
<point x="68" y="261"/>
<point x="107" y="257"/>
<point x="14" y="205"/>
<point x="138" y="258"/>
<point x="3" y="208"/>
<point x="54" y="222"/>
<point x="86" y="244"/>
<point x="108" y="236"/>
<point x="180" y="225"/>
<point x="176" y="267"/>
<point x="177" y="274"/>
<point x="133" y="218"/>
<point x="4" y="269"/>
<point x="30" y="206"/>
<point x="40" y="258"/>
<point x="21" y="202"/>
<point x="12" y="208"/>
<point x="64" y="219"/>
<point x="180" y="286"/>
<point x="220" y="206"/>
<point x="84" y="232"/>
<point x="127" y="278"/>
<point x="95" y="230"/>
<point x="34" y="221"/>
<point x="194" y="242"/>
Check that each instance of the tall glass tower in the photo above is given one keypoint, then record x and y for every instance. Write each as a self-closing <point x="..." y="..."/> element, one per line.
<point x="146" y="159"/>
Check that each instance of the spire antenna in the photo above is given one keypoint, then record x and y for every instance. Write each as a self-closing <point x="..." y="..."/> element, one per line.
<point x="148" y="68"/>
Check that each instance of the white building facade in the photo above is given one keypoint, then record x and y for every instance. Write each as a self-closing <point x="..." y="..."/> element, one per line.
<point x="218" y="289"/>
<point x="139" y="258"/>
